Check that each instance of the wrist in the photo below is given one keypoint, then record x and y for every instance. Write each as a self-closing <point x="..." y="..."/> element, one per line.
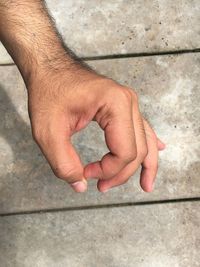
<point x="60" y="70"/>
<point x="40" y="63"/>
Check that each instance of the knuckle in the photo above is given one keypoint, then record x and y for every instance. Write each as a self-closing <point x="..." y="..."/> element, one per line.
<point x="65" y="172"/>
<point x="151" y="163"/>
<point x="120" y="94"/>
<point x="125" y="95"/>
<point x="134" y="96"/>
<point x="143" y="153"/>
<point x="129" y="156"/>
<point x="153" y="166"/>
<point x="129" y="95"/>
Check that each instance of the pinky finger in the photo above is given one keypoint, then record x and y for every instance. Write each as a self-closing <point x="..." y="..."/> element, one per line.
<point x="161" y="145"/>
<point x="150" y="163"/>
<point x="150" y="132"/>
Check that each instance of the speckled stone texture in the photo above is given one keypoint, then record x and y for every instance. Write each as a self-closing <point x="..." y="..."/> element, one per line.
<point x="102" y="27"/>
<point x="148" y="236"/>
<point x="4" y="56"/>
<point x="168" y="89"/>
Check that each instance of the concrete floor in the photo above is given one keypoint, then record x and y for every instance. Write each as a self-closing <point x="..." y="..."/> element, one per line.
<point x="112" y="229"/>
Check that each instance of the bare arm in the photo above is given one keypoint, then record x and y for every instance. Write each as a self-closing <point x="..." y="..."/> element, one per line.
<point x="30" y="36"/>
<point x="65" y="95"/>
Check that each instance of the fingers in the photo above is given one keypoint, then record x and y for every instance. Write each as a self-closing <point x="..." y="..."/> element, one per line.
<point x="119" y="179"/>
<point x="149" y="166"/>
<point x="150" y="163"/>
<point x="160" y="144"/>
<point x="120" y="139"/>
<point x="62" y="157"/>
<point x="122" y="176"/>
<point x="147" y="147"/>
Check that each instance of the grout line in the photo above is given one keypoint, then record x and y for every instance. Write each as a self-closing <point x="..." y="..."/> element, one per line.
<point x="131" y="55"/>
<point x="143" y="54"/>
<point x="7" y="64"/>
<point x="103" y="206"/>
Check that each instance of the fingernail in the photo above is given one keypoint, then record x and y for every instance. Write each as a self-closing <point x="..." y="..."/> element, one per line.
<point x="80" y="186"/>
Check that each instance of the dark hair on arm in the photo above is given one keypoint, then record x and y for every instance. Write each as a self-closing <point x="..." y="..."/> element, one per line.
<point x="75" y="59"/>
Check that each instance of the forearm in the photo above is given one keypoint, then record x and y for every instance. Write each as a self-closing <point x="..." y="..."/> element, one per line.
<point x="29" y="35"/>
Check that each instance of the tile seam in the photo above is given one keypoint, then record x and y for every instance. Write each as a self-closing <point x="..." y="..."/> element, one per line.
<point x="103" y="206"/>
<point x="131" y="55"/>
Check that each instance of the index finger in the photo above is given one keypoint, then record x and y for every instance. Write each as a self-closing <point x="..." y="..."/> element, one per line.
<point x="120" y="140"/>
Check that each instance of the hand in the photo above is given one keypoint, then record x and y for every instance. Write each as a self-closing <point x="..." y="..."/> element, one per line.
<point x="64" y="97"/>
<point x="61" y="104"/>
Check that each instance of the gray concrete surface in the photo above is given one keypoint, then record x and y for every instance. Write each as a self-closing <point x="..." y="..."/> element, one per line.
<point x="102" y="27"/>
<point x="148" y="236"/>
<point x="153" y="235"/>
<point x="168" y="88"/>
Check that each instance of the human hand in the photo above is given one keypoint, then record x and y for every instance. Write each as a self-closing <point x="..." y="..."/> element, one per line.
<point x="61" y="104"/>
<point x="64" y="96"/>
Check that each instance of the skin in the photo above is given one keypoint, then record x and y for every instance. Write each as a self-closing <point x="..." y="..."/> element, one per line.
<point x="65" y="95"/>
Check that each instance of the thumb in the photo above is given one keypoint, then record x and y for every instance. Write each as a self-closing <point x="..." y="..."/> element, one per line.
<point x="64" y="161"/>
